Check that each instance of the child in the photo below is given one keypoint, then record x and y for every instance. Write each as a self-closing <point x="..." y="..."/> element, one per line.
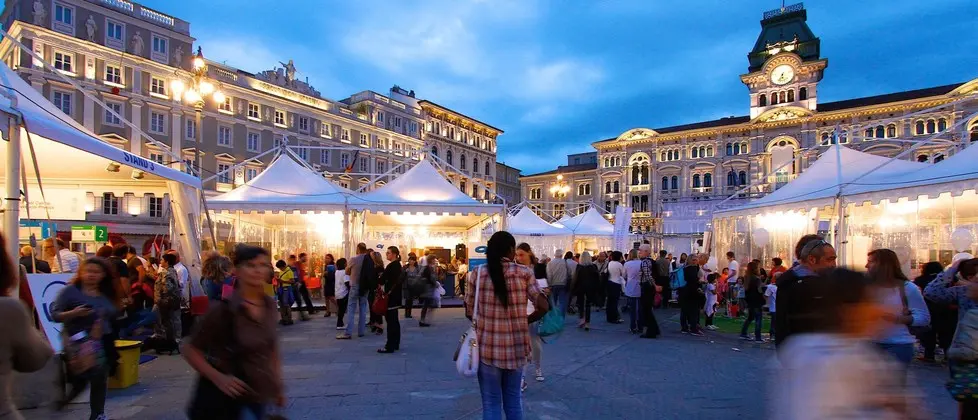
<point x="771" y="293"/>
<point x="835" y="371"/>
<point x="711" y="300"/>
<point x="342" y="289"/>
<point x="286" y="291"/>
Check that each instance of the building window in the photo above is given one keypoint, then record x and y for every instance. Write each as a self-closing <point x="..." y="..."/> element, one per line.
<point x="157" y="123"/>
<point x="938" y="157"/>
<point x="223" y="173"/>
<point x="931" y="127"/>
<point x="64" y="18"/>
<point x="675" y="182"/>
<point x="461" y="162"/>
<point x="160" y="52"/>
<point x="345" y="160"/>
<point x="973" y="131"/>
<point x="743" y="178"/>
<point x="584" y="189"/>
<point x="278" y="141"/>
<point x="941" y="124"/>
<point x="708" y="180"/>
<point x="250" y="174"/>
<point x="694" y="153"/>
<point x="607" y="187"/>
<point x="155" y="206"/>
<point x="254" y="142"/>
<point x="665" y="183"/>
<point x="363" y="164"/>
<point x="280" y="118"/>
<point x="224" y="136"/>
<point x="363" y="140"/>
<point x="324" y="129"/>
<point x="304" y="124"/>
<point x="156" y="157"/>
<point x="114" y="34"/>
<point x="225" y="106"/>
<point x="157" y="86"/>
<point x="345" y="135"/>
<point x="190" y="130"/>
<point x="111" y="119"/>
<point x="380" y="116"/>
<point x="302" y="152"/>
<point x="803" y="94"/>
<point x="731" y="178"/>
<point x="535" y="193"/>
<point x="381" y="166"/>
<point x="891" y="131"/>
<point x="434" y="150"/>
<point x="324" y="156"/>
<point x="397" y="121"/>
<point x="730" y="150"/>
<point x="448" y="155"/>
<point x="919" y="128"/>
<point x="64" y="61"/>
<point x="923" y="158"/>
<point x="762" y="100"/>
<point x="696" y="181"/>
<point x="113" y="75"/>
<point x="475" y="165"/>
<point x="254" y="112"/>
<point x="110" y="204"/>
<point x="791" y="95"/>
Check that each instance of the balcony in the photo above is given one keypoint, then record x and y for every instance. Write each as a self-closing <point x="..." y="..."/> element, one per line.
<point x="702" y="190"/>
<point x="146" y="14"/>
<point x="639" y="188"/>
<point x="637" y="214"/>
<point x="779" y="180"/>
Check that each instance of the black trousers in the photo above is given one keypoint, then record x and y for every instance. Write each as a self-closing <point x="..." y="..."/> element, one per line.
<point x="393" y="330"/>
<point x="612" y="294"/>
<point x="341" y="311"/>
<point x="98" y="381"/>
<point x="689" y="318"/>
<point x="302" y="297"/>
<point x="645" y="311"/>
<point x="409" y="302"/>
<point x="584" y="307"/>
<point x="943" y="322"/>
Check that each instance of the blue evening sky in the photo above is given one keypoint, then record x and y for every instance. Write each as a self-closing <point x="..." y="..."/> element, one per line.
<point x="558" y="75"/>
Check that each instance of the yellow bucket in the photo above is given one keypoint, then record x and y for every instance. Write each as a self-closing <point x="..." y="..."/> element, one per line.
<point x="128" y="372"/>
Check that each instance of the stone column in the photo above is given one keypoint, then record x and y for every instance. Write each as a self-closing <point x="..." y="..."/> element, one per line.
<point x="136" y="140"/>
<point x="176" y="138"/>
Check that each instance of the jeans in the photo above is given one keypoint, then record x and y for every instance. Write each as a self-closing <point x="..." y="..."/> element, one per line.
<point x="755" y="315"/>
<point x="253" y="412"/>
<point x="903" y="353"/>
<point x="560" y="297"/>
<point x="357" y="301"/>
<point x="633" y="313"/>
<point x="612" y="294"/>
<point x="501" y="393"/>
<point x="393" y="330"/>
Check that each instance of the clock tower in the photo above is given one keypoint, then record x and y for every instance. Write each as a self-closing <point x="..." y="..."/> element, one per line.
<point x="784" y="66"/>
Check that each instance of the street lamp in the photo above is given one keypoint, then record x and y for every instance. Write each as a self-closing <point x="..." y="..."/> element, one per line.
<point x="560" y="189"/>
<point x="200" y="88"/>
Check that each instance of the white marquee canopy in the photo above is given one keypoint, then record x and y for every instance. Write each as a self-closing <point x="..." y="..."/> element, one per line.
<point x="589" y="223"/>
<point x="526" y="222"/>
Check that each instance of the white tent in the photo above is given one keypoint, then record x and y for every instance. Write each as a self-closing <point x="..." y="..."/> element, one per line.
<point x="526" y="222"/>
<point x="420" y="208"/>
<point x="953" y="175"/>
<point x="288" y="208"/>
<point x="589" y="223"/>
<point x="286" y="185"/>
<point x="70" y="160"/>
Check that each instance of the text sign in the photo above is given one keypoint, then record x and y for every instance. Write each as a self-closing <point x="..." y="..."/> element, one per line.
<point x="89" y="233"/>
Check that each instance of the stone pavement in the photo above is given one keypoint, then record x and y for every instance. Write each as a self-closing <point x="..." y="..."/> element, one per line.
<point x="602" y="374"/>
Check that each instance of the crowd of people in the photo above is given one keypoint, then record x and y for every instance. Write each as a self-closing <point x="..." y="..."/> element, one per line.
<point x="845" y="339"/>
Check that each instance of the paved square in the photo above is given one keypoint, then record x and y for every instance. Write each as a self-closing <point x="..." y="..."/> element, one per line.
<point x="602" y="374"/>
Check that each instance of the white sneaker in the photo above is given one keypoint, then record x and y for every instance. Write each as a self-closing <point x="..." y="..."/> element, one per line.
<point x="341" y="328"/>
<point x="539" y="375"/>
<point x="712" y="327"/>
<point x="523" y="386"/>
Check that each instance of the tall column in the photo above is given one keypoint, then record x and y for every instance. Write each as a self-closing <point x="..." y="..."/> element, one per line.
<point x="136" y="140"/>
<point x="176" y="138"/>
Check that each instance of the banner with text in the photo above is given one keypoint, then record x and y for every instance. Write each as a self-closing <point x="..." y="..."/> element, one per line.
<point x="44" y="290"/>
<point x="623" y="218"/>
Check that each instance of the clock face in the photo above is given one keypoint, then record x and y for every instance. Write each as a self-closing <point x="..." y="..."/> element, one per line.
<point x="782" y="74"/>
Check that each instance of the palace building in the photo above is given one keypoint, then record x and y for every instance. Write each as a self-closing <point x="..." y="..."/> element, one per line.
<point x="674" y="177"/>
<point x="129" y="55"/>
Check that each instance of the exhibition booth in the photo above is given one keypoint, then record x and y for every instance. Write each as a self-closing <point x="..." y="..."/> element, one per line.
<point x="544" y="238"/>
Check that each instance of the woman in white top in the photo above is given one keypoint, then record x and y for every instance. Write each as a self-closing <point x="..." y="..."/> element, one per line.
<point x="616" y="280"/>
<point x="342" y="289"/>
<point x="903" y="303"/>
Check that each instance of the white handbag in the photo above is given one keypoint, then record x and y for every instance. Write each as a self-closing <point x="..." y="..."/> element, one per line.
<point x="467" y="353"/>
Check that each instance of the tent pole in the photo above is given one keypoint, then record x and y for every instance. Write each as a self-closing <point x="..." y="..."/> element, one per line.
<point x="840" y="226"/>
<point x="346" y="225"/>
<point x="11" y="203"/>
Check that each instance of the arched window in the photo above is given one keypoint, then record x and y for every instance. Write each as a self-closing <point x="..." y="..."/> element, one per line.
<point x="743" y="148"/>
<point x="665" y="183"/>
<point x="803" y="94"/>
<point x="931" y="126"/>
<point x="645" y="174"/>
<point x="475" y="165"/>
<point x="774" y="98"/>
<point x="891" y="131"/>
<point x="615" y="186"/>
<point x="941" y="124"/>
<point x="791" y="95"/>
<point x="675" y="182"/>
<point x="880" y="132"/>
<point x="708" y="180"/>
<point x="731" y="178"/>
<point x="696" y="181"/>
<point x="938" y="157"/>
<point x="736" y="148"/>
<point x="607" y="187"/>
<point x="743" y="178"/>
<point x="606" y="162"/>
<point x="844" y="137"/>
<point x="918" y="128"/>
<point x="782" y="97"/>
<point x="487" y="168"/>
<point x="709" y="151"/>
<point x="730" y="149"/>
<point x="448" y="157"/>
<point x="695" y="153"/>
<point x="825" y="139"/>
<point x="461" y="162"/>
<point x="702" y="151"/>
<point x="635" y="174"/>
<point x="663" y="157"/>
<point x="973" y="136"/>
<point x="868" y="134"/>
<point x="922" y="158"/>
<point x="434" y="150"/>
<point x="762" y="100"/>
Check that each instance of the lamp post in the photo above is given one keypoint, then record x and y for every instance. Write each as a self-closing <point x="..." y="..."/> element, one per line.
<point x="559" y="190"/>
<point x="200" y="88"/>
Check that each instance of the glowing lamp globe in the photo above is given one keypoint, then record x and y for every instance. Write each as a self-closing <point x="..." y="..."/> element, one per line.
<point x="962" y="239"/>
<point x="761" y="237"/>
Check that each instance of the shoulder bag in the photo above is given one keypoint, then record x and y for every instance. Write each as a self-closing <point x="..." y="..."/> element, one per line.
<point x="552" y="322"/>
<point x="467" y="353"/>
<point x="906" y="311"/>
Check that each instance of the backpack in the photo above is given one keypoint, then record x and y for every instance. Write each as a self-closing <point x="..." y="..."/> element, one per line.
<point x="677" y="279"/>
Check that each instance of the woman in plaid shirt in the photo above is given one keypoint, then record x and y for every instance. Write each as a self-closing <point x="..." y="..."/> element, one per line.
<point x="502" y="325"/>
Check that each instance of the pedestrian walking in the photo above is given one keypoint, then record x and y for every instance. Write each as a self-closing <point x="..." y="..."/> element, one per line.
<point x="342" y="289"/>
<point x="526" y="258"/>
<point x="329" y="285"/>
<point x="797" y="294"/>
<point x="557" y="278"/>
<point x="957" y="285"/>
<point x="392" y="292"/>
<point x="904" y="302"/>
<point x="711" y="300"/>
<point x="362" y="278"/>
<point x="235" y="351"/>
<point x="501" y="287"/>
<point x="614" y="285"/>
<point x="585" y="286"/>
<point x="755" y="302"/>
<point x="633" y="290"/>
<point x="648" y="271"/>
<point x="413" y="286"/>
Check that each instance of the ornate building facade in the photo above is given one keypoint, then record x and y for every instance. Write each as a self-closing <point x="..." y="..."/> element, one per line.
<point x="129" y="55"/>
<point x="674" y="177"/>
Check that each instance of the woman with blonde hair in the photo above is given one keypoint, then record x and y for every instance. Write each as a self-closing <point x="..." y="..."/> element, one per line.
<point x="904" y="304"/>
<point x="215" y="274"/>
